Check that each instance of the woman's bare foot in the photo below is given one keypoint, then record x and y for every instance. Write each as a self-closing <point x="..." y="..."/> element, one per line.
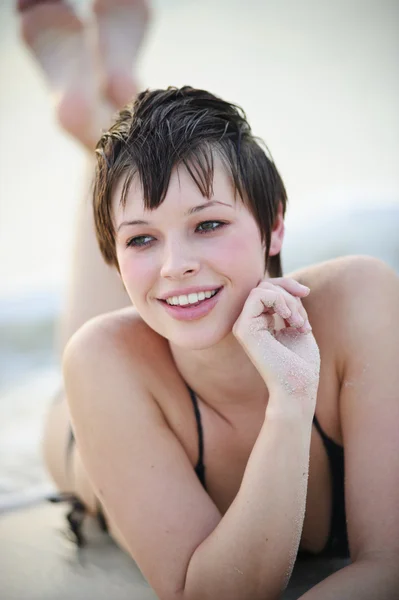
<point x="56" y="36"/>
<point x="121" y="26"/>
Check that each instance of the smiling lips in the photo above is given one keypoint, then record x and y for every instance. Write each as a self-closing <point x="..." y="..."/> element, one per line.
<point x="193" y="298"/>
<point x="188" y="307"/>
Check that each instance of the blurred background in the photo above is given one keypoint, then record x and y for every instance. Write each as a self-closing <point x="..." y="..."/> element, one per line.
<point x="319" y="81"/>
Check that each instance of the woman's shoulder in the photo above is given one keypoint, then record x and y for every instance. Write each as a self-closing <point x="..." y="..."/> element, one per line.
<point x="121" y="335"/>
<point x="119" y="358"/>
<point x="341" y="278"/>
<point x="341" y="290"/>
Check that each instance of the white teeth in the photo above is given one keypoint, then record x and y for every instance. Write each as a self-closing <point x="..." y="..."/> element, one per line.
<point x="190" y="299"/>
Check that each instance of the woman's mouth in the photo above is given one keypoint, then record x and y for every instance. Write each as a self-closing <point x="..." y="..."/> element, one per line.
<point x="193" y="306"/>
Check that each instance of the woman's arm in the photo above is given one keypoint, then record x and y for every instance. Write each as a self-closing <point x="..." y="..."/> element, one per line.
<point x="251" y="552"/>
<point x="368" y="578"/>
<point x="363" y="299"/>
<point x="143" y="476"/>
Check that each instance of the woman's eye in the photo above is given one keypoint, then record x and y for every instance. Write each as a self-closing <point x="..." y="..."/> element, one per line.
<point x="139" y="241"/>
<point x="209" y="226"/>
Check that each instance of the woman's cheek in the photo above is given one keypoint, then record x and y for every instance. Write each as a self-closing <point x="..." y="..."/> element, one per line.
<point x="240" y="256"/>
<point x="136" y="275"/>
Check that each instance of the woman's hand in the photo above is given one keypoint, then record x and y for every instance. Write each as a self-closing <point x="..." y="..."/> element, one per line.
<point x="283" y="349"/>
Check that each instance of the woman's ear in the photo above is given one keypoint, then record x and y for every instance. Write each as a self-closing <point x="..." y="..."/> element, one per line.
<point x="277" y="236"/>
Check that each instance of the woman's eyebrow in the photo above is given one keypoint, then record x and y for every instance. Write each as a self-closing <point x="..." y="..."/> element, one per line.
<point x="191" y="211"/>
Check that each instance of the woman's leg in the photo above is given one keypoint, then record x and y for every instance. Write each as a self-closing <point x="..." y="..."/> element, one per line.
<point x="93" y="287"/>
<point x="60" y="44"/>
<point x="121" y="27"/>
<point x="80" y="68"/>
<point x="65" y="466"/>
<point x="67" y="55"/>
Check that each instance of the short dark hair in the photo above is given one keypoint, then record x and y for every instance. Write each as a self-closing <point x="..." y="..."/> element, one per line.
<point x="166" y="128"/>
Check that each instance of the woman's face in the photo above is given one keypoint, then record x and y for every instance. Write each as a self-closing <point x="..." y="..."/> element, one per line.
<point x="189" y="245"/>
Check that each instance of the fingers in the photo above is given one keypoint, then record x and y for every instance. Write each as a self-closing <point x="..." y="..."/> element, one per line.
<point x="266" y="302"/>
<point x="298" y="317"/>
<point x="306" y="327"/>
<point x="290" y="285"/>
<point x="263" y="303"/>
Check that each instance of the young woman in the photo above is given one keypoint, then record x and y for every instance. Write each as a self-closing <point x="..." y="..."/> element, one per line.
<point x="233" y="416"/>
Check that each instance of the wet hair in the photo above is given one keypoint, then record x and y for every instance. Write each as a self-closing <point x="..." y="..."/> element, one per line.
<point x="164" y="129"/>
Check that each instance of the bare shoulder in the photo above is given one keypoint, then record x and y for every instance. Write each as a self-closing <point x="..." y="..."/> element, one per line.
<point x="346" y="293"/>
<point x="122" y="334"/>
<point x="334" y="277"/>
<point x="339" y="284"/>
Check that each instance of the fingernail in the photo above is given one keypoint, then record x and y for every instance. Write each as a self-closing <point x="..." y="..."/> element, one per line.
<point x="299" y="321"/>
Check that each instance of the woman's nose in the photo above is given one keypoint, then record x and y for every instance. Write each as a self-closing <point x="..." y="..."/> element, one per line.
<point x="178" y="262"/>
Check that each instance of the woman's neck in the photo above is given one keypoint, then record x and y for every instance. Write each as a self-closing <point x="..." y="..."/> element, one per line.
<point x="222" y="376"/>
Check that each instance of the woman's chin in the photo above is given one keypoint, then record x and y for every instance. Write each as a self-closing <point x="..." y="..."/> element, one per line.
<point x="202" y="339"/>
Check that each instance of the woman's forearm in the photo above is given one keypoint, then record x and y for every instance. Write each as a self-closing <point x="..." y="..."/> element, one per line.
<point x="365" y="579"/>
<point x="251" y="553"/>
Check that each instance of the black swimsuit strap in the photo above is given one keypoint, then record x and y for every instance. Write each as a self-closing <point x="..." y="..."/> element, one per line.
<point x="337" y="542"/>
<point x="200" y="467"/>
<point x="324" y="437"/>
